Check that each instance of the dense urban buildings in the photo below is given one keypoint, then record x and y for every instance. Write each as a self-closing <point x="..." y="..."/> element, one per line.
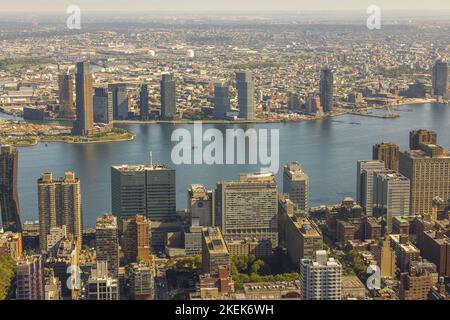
<point x="285" y="235"/>
<point x="9" y="197"/>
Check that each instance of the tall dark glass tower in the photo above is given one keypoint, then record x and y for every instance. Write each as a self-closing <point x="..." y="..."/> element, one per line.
<point x="440" y="78"/>
<point x="326" y="90"/>
<point x="246" y="94"/>
<point x="9" y="197"/>
<point x="84" y="125"/>
<point x="168" y="97"/>
<point x="221" y="100"/>
<point x="143" y="103"/>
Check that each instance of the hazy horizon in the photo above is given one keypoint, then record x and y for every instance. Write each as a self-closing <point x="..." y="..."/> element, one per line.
<point x="218" y="6"/>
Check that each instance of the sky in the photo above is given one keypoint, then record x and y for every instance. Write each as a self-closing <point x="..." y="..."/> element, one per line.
<point x="221" y="5"/>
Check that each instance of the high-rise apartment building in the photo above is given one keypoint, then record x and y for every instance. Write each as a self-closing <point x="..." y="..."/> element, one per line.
<point x="221" y="100"/>
<point x="143" y="189"/>
<point x="107" y="242"/>
<point x="214" y="251"/>
<point x="320" y="279"/>
<point x="9" y="197"/>
<point x="428" y="169"/>
<point x="59" y="202"/>
<point x="326" y="90"/>
<point x="246" y="94"/>
<point x="418" y="282"/>
<point x="121" y="101"/>
<point x="168" y="97"/>
<point x="296" y="185"/>
<point x="143" y="102"/>
<point x="391" y="195"/>
<point x="421" y="136"/>
<point x="84" y="125"/>
<point x="364" y="182"/>
<point x="30" y="278"/>
<point x="66" y="103"/>
<point x="136" y="236"/>
<point x="103" y="105"/>
<point x="248" y="208"/>
<point x="440" y="78"/>
<point x="388" y="153"/>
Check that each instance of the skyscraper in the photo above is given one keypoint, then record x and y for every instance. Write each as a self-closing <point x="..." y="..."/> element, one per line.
<point x="248" y="208"/>
<point x="320" y="279"/>
<point x="391" y="195"/>
<point x="296" y="185"/>
<point x="168" y="97"/>
<point x="388" y="153"/>
<point x="326" y="90"/>
<point x="246" y="94"/>
<point x="84" y="125"/>
<point x="107" y="242"/>
<point x="59" y="202"/>
<point x="103" y="105"/>
<point x="143" y="102"/>
<point x="440" y="78"/>
<point x="364" y="182"/>
<point x="421" y="136"/>
<point x="9" y="197"/>
<point x="221" y="100"/>
<point x="428" y="169"/>
<point x="120" y="101"/>
<point x="66" y="103"/>
<point x="136" y="235"/>
<point x="143" y="189"/>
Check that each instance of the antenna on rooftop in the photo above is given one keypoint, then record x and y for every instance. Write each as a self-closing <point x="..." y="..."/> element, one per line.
<point x="151" y="158"/>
